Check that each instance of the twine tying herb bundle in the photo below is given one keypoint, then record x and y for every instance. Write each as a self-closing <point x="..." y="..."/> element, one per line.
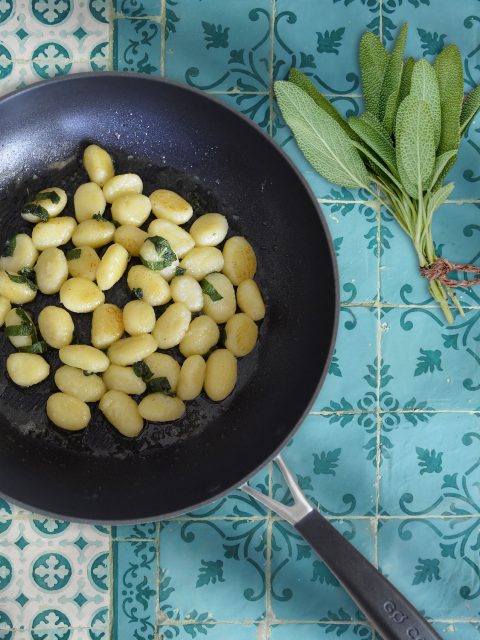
<point x="400" y="149"/>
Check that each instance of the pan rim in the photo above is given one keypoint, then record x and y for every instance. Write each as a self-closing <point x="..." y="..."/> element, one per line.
<point x="276" y="147"/>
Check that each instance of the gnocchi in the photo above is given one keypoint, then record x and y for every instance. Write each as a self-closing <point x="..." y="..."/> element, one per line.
<point x="89" y="388"/>
<point x="56" y="326"/>
<point x="88" y="201"/>
<point x="83" y="356"/>
<point x="51" y="270"/>
<point x="112" y="266"/>
<point x="122" y="412"/>
<point x="196" y="271"/>
<point x="220" y="374"/>
<point x="81" y="295"/>
<point x="18" y="252"/>
<point x="98" y="164"/>
<point x="138" y="317"/>
<point x="171" y="206"/>
<point x="107" y="325"/>
<point x="27" y="369"/>
<point x="131" y="208"/>
<point x="68" y="412"/>
<point x="209" y="230"/>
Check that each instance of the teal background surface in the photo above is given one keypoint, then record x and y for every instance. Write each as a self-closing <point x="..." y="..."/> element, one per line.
<point x="390" y="450"/>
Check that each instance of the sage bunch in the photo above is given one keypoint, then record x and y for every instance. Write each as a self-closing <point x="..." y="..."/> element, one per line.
<point x="401" y="148"/>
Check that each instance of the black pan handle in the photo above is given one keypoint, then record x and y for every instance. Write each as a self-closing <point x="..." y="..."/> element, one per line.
<point x="390" y="613"/>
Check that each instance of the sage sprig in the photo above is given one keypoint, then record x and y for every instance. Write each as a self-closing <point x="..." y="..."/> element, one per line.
<point x="401" y="148"/>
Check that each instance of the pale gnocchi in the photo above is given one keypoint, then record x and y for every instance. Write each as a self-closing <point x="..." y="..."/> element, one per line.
<point x="196" y="271"/>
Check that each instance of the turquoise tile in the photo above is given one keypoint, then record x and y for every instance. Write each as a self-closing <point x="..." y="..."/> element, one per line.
<point x="301" y="586"/>
<point x="434" y="563"/>
<point x="351" y="384"/>
<point x="99" y="57"/>
<point x="439" y="369"/>
<point x="137" y="46"/>
<point x="333" y="629"/>
<point x="357" y="252"/>
<point x="323" y="41"/>
<point x="254" y="106"/>
<point x="138" y="8"/>
<point x="320" y="454"/>
<point x="145" y="531"/>
<point x="209" y="629"/>
<point x="458" y="630"/>
<point x="213" y="569"/>
<point x="456" y="232"/>
<point x="434" y="24"/>
<point x="432" y="466"/>
<point x="135" y="590"/>
<point x="215" y="46"/>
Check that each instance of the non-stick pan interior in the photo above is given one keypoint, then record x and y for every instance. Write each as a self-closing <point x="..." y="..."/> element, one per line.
<point x="179" y="139"/>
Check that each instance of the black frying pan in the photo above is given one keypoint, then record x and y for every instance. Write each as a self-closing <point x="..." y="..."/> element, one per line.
<point x="181" y="139"/>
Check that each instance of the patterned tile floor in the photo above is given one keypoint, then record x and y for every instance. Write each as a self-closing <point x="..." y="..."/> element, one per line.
<point x="390" y="451"/>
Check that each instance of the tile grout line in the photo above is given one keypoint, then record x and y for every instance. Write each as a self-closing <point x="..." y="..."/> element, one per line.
<point x="379" y="380"/>
<point x="111" y="35"/>
<point x="157" y="600"/>
<point x="268" y="560"/>
<point x="111" y="583"/>
<point x="163" y="34"/>
<point x="270" y="70"/>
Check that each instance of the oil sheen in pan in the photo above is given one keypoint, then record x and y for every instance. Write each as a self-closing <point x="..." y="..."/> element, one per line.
<point x="25" y="408"/>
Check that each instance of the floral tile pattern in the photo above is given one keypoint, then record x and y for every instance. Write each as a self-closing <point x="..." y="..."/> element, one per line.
<point x="390" y="449"/>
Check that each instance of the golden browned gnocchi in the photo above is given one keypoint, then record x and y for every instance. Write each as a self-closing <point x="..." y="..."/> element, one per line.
<point x="130" y="237"/>
<point x="18" y="252"/>
<point x="107" y="325"/>
<point x="112" y="266"/>
<point x="51" y="270"/>
<point x="93" y="233"/>
<point x="218" y="297"/>
<point x="120" y="185"/>
<point x="80" y="384"/>
<point x="240" y="260"/>
<point x="131" y="208"/>
<point x="27" y="369"/>
<point x="68" y="412"/>
<point x="195" y="271"/>
<point x="88" y="201"/>
<point x="81" y="295"/>
<point x="82" y="262"/>
<point x="209" y="230"/>
<point x="172" y="325"/>
<point x="220" y="374"/>
<point x="98" y="164"/>
<point x="53" y="233"/>
<point x="138" y="317"/>
<point x="122" y="412"/>
<point x="250" y="300"/>
<point x="171" y="206"/>
<point x="201" y="261"/>
<point x="56" y="326"/>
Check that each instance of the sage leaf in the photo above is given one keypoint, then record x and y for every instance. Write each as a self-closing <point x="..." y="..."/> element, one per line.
<point x="36" y="347"/>
<point x="165" y="254"/>
<point x="73" y="254"/>
<point x="137" y="292"/>
<point x="210" y="291"/>
<point x="35" y="210"/>
<point x="371" y="132"/>
<point x="469" y="108"/>
<point x="9" y="247"/>
<point x="391" y="82"/>
<point x="449" y="71"/>
<point x="424" y="85"/>
<point x="373" y="63"/>
<point x="20" y="330"/>
<point x="180" y="271"/>
<point x="161" y="385"/>
<point x="47" y="195"/>
<point x="438" y="197"/>
<point x="300" y="80"/>
<point x="321" y="139"/>
<point x="20" y="279"/>
<point x="142" y="370"/>
<point x="415" y="140"/>
<point x="440" y="164"/>
<point x="406" y="80"/>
